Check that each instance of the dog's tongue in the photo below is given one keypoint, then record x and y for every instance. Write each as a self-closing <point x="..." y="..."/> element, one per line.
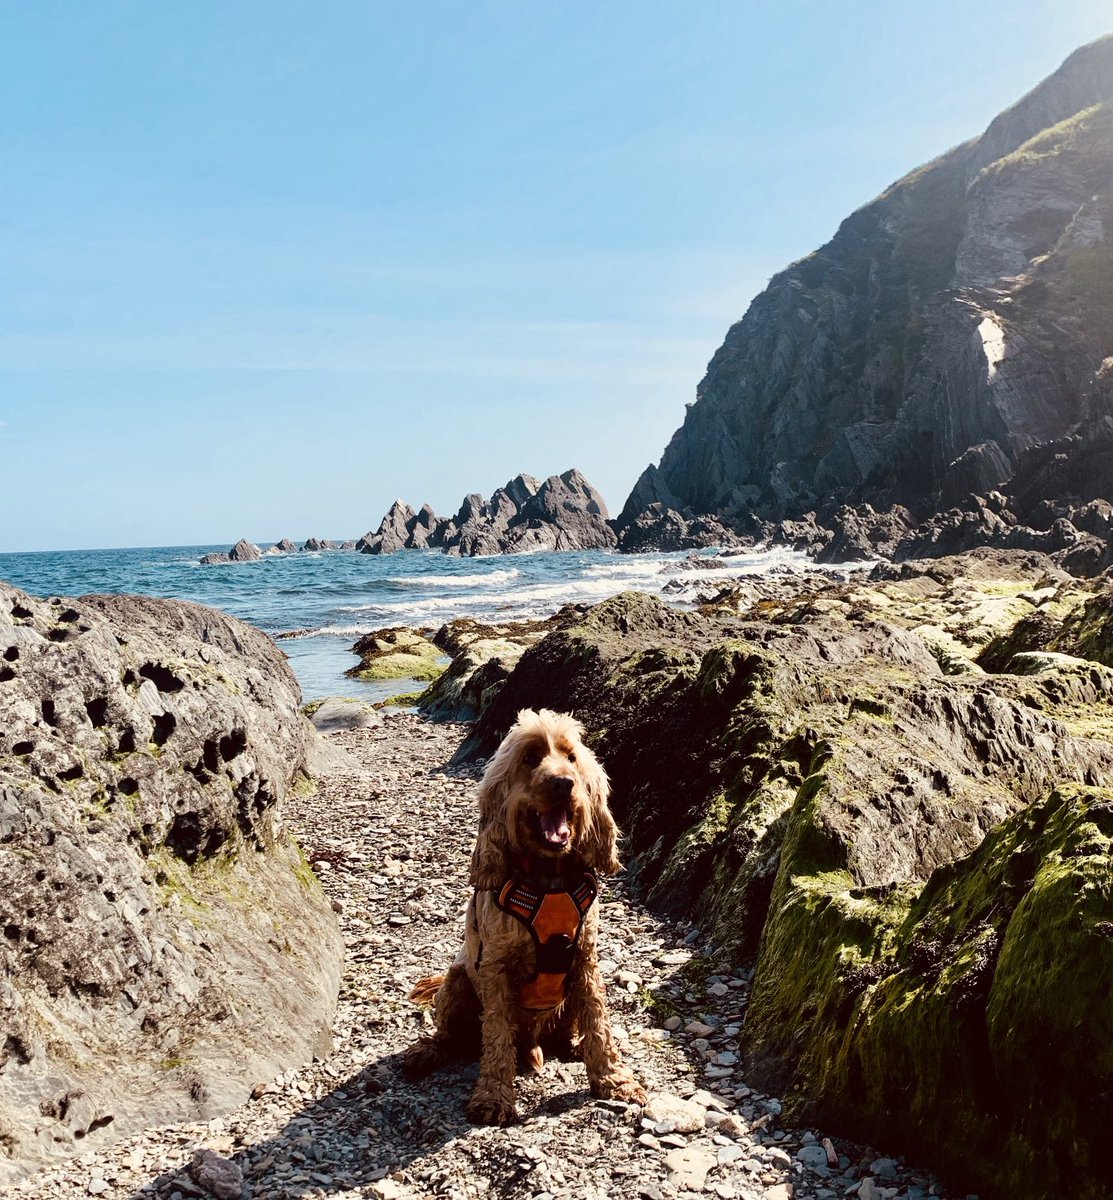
<point x="554" y="825"/>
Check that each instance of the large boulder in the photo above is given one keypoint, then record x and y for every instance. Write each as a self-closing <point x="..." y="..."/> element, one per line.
<point x="396" y="653"/>
<point x="166" y="946"/>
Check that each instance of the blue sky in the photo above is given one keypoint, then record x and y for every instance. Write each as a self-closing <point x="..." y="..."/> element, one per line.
<point x="265" y="266"/>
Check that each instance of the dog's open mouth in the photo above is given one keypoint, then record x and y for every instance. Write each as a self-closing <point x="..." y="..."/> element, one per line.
<point x="555" y="828"/>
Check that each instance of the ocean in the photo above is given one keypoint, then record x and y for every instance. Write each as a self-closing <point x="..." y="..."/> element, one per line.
<point x="332" y="597"/>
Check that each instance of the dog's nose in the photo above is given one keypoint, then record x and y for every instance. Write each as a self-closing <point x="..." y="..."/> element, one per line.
<point x="562" y="785"/>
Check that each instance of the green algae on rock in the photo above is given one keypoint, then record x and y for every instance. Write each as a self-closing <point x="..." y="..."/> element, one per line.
<point x="397" y="653"/>
<point x="971" y="1020"/>
<point x="802" y="777"/>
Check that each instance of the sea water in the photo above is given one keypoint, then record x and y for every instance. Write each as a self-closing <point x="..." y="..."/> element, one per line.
<point x="331" y="597"/>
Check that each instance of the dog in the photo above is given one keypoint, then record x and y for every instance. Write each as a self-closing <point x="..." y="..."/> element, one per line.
<point x="528" y="970"/>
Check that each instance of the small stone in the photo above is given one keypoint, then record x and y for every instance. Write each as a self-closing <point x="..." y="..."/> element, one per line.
<point x="699" y="1029"/>
<point x="222" y="1177"/>
<point x="885" y="1168"/>
<point x="728" y="1125"/>
<point x="718" y="990"/>
<point x="672" y="1024"/>
<point x="96" y="1187"/>
<point x="670" y="1114"/>
<point x="688" y="1168"/>
<point x="676" y="958"/>
<point x="814" y="1157"/>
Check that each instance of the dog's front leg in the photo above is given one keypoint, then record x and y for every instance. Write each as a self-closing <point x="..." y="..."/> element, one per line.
<point x="608" y="1077"/>
<point x="493" y="1101"/>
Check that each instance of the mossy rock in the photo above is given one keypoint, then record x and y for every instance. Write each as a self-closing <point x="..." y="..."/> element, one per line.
<point x="971" y="1021"/>
<point x="397" y="653"/>
<point x="1088" y="631"/>
<point x="466" y="689"/>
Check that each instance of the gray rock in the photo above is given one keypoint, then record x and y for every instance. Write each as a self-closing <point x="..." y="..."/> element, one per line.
<point x="286" y="546"/>
<point x="147" y="749"/>
<point x="814" y="1157"/>
<point x="220" y="1177"/>
<point x="688" y="1168"/>
<point x="245" y="551"/>
<point x="209" y="560"/>
<point x="342" y="712"/>
<point x="563" y="513"/>
<point x="670" y="1114"/>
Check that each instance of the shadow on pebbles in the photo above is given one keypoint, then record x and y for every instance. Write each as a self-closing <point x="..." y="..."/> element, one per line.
<point x="389" y="833"/>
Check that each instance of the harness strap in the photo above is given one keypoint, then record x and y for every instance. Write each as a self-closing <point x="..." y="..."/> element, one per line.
<point x="554" y="920"/>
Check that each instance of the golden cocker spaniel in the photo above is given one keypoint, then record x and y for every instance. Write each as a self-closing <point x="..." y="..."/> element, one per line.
<point x="528" y="969"/>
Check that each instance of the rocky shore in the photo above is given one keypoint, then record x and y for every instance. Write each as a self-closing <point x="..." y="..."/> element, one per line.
<point x="388" y="832"/>
<point x="891" y="795"/>
<point x="868" y="813"/>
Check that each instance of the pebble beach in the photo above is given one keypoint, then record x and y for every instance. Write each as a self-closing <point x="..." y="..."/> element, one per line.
<point x="388" y="833"/>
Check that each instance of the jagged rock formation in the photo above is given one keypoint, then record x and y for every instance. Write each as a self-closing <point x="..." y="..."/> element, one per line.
<point x="955" y="337"/>
<point x="918" y="852"/>
<point x="166" y="946"/>
<point x="563" y="513"/>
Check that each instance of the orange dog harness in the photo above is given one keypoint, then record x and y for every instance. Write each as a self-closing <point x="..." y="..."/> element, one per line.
<point x="554" y="920"/>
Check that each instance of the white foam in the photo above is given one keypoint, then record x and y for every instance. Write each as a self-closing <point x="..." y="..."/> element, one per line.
<point x="477" y="580"/>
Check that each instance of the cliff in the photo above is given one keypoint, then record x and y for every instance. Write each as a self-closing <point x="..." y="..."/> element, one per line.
<point x="954" y="337"/>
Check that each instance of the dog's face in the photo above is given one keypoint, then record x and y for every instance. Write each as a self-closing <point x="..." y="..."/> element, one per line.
<point x="543" y="796"/>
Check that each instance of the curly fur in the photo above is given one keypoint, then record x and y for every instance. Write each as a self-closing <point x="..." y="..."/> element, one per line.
<point x="542" y="768"/>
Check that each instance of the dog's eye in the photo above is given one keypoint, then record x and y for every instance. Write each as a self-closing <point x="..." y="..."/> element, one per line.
<point x="532" y="760"/>
<point x="571" y="756"/>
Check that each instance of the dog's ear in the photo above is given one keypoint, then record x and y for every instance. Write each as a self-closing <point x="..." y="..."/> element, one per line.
<point x="600" y="833"/>
<point x="490" y="860"/>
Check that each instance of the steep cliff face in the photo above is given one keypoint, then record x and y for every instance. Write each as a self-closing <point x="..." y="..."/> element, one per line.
<point x="951" y="332"/>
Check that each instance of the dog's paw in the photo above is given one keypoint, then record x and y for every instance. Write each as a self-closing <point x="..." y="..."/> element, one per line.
<point x="492" y="1105"/>
<point x="619" y="1085"/>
